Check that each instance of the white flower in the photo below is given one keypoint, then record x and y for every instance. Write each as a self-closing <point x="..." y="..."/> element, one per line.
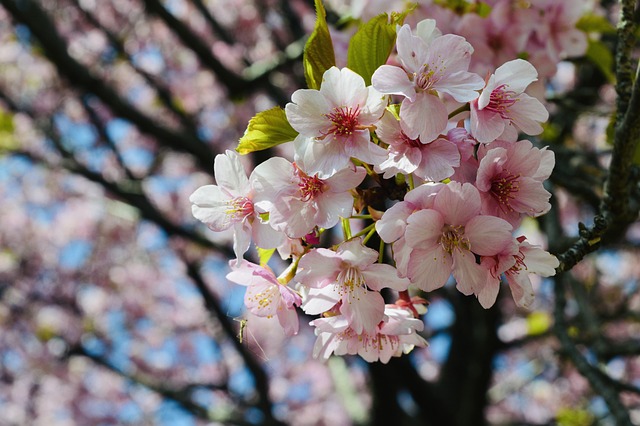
<point x="334" y="122"/>
<point x="229" y="204"/>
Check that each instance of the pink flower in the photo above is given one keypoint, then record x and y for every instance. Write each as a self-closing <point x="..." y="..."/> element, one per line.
<point x="334" y="122"/>
<point x="432" y="65"/>
<point x="229" y="204"/>
<point x="556" y="29"/>
<point x="348" y="276"/>
<point x="297" y="202"/>
<point x="393" y="224"/>
<point x="499" y="37"/>
<point x="510" y="178"/>
<point x="265" y="296"/>
<point x="503" y="108"/>
<point x="466" y="144"/>
<point x="516" y="265"/>
<point x="446" y="238"/>
<point x="396" y="335"/>
<point x="432" y="161"/>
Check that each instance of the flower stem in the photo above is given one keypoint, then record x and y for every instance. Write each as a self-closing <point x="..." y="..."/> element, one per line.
<point x="368" y="229"/>
<point x="346" y="229"/>
<point x="463" y="108"/>
<point x="370" y="234"/>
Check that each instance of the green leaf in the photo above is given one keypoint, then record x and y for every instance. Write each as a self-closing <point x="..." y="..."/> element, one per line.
<point x="591" y="23"/>
<point x="265" y="255"/>
<point x="266" y="130"/>
<point x="601" y="56"/>
<point x="318" y="52"/>
<point x="372" y="44"/>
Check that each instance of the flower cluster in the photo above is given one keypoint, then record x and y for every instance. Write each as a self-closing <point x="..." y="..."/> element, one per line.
<point x="468" y="184"/>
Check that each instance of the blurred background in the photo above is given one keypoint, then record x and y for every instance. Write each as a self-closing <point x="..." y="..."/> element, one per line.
<point x="114" y="307"/>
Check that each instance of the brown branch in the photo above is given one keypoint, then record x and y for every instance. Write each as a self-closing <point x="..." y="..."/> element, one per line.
<point x="236" y="86"/>
<point x="164" y="94"/>
<point x="31" y="14"/>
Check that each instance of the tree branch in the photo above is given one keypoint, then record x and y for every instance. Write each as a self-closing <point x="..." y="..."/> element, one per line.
<point x="54" y="47"/>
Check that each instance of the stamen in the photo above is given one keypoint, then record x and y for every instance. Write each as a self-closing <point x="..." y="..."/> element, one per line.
<point x="453" y="239"/>
<point x="344" y="119"/>
<point x="504" y="188"/>
<point x="310" y="186"/>
<point x="239" y="208"/>
<point x="501" y="100"/>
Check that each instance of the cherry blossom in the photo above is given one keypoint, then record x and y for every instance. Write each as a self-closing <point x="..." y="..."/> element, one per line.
<point x="446" y="238"/>
<point x="396" y="335"/>
<point x="334" y="122"/>
<point x="349" y="276"/>
<point x="432" y="65"/>
<point x="516" y="263"/>
<point x="229" y="204"/>
<point x="265" y="296"/>
<point x="503" y="108"/>
<point x="432" y="161"/>
<point x="393" y="224"/>
<point x="297" y="202"/>
<point x="510" y="179"/>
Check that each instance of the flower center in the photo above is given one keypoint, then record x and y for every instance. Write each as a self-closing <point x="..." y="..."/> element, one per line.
<point x="344" y="120"/>
<point x="310" y="186"/>
<point x="239" y="208"/>
<point x="501" y="100"/>
<point x="349" y="279"/>
<point x="262" y="300"/>
<point x="504" y="188"/>
<point x="426" y="77"/>
<point x="414" y="143"/>
<point x="453" y="239"/>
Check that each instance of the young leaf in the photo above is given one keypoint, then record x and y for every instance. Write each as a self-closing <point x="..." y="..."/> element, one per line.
<point x="265" y="130"/>
<point x="372" y="44"/>
<point x="591" y="23"/>
<point x="265" y="255"/>
<point x="318" y="52"/>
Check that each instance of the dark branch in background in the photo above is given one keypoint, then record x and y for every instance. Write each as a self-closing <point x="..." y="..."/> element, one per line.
<point x="54" y="47"/>
<point x="129" y="191"/>
<point x="616" y="212"/>
<point x="237" y="87"/>
<point x="181" y="395"/>
<point x="163" y="93"/>
<point x="215" y="26"/>
<point x="102" y="132"/>
<point x="217" y="313"/>
<point x="597" y="379"/>
<point x="466" y="374"/>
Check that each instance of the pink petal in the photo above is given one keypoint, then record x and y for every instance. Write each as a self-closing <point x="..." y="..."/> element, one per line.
<point x="306" y="112"/>
<point x="424" y="229"/>
<point x="429" y="269"/>
<point x="318" y="268"/>
<point x="458" y="203"/>
<point x="488" y="235"/>
<point x="425" y="118"/>
<point x="393" y="80"/>
<point x="470" y="277"/>
<point x="379" y="276"/>
<point x="363" y="308"/>
<point x="321" y="300"/>
<point x="230" y="174"/>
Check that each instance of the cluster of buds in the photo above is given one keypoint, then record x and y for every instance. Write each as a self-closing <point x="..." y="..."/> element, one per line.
<point x="427" y="124"/>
